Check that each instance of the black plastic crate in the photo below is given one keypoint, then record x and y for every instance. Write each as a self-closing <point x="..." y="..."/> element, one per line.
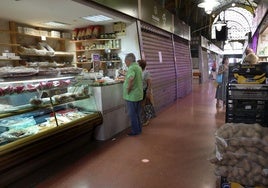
<point x="248" y="91"/>
<point x="248" y="74"/>
<point x="247" y="103"/>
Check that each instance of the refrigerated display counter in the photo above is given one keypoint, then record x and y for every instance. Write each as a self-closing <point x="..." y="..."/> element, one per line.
<point x="43" y="117"/>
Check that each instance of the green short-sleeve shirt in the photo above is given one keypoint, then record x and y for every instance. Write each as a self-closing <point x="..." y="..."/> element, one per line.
<point x="136" y="94"/>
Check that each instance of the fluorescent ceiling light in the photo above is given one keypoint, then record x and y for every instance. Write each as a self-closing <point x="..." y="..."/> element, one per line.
<point x="206" y="4"/>
<point x="208" y="10"/>
<point x="97" y="18"/>
<point x="55" y="24"/>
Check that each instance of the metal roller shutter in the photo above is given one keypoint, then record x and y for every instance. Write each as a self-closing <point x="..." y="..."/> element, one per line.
<point x="205" y="68"/>
<point x="154" y="42"/>
<point x="183" y="67"/>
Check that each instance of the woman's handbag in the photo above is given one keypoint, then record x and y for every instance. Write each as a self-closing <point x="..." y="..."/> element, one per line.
<point x="219" y="78"/>
<point x="149" y="109"/>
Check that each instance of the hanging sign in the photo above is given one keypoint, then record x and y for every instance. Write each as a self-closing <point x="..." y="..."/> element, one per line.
<point x="181" y="29"/>
<point x="154" y="14"/>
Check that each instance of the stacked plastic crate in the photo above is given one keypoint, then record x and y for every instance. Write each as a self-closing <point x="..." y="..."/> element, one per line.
<point x="242" y="143"/>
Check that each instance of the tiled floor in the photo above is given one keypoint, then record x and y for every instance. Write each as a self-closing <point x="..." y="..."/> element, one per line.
<point x="172" y="152"/>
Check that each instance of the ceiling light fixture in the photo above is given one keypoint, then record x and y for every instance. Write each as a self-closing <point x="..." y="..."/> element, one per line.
<point x="55" y="24"/>
<point x="208" y="10"/>
<point x="208" y="5"/>
<point x="97" y="18"/>
<point x="219" y="23"/>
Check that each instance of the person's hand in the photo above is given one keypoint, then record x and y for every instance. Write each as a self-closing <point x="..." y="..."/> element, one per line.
<point x="128" y="90"/>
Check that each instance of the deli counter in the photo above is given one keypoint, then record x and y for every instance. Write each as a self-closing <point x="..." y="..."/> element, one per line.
<point x="110" y="102"/>
<point x="39" y="115"/>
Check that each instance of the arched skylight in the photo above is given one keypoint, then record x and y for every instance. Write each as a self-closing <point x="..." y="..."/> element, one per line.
<point x="238" y="20"/>
<point x="239" y="24"/>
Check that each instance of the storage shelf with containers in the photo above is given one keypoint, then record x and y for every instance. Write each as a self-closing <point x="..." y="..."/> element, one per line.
<point x="43" y="104"/>
<point x="40" y="44"/>
<point x="92" y="44"/>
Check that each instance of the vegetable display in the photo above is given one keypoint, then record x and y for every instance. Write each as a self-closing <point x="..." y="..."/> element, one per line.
<point x="242" y="153"/>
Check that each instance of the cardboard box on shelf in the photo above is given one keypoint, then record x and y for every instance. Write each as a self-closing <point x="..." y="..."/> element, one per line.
<point x="55" y="34"/>
<point x="8" y="54"/>
<point x="66" y="35"/>
<point x="11" y="58"/>
<point x="43" y="33"/>
<point x="30" y="31"/>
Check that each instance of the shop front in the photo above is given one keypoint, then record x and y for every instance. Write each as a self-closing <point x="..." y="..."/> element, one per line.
<point x="62" y="88"/>
<point x="59" y="91"/>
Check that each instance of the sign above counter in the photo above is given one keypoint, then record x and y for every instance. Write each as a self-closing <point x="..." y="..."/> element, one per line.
<point x="150" y="12"/>
<point x="154" y="14"/>
<point x="129" y="7"/>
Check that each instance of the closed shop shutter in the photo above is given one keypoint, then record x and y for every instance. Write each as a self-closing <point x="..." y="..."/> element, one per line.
<point x="183" y="66"/>
<point x="205" y="68"/>
<point x="157" y="49"/>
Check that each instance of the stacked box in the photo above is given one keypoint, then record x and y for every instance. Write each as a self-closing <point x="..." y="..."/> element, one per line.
<point x="43" y="33"/>
<point x="30" y="31"/>
<point x="55" y="34"/>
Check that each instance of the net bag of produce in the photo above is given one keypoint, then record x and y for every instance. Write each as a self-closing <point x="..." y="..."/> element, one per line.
<point x="241" y="153"/>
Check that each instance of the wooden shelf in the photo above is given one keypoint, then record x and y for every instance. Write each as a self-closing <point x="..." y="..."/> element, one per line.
<point x="57" y="54"/>
<point x="6" y="31"/>
<point x="113" y="61"/>
<point x="88" y="62"/>
<point x="30" y="35"/>
<point x="8" y="44"/>
<point x="80" y="63"/>
<point x="10" y="59"/>
<point x="102" y="49"/>
<point x="90" y="46"/>
<point x="91" y="40"/>
<point x="18" y="37"/>
<point x="49" y="37"/>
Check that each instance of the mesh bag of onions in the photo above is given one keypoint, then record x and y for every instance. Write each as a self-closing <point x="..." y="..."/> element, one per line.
<point x="241" y="154"/>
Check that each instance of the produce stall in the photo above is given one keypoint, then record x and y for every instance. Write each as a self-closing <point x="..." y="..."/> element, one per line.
<point x="242" y="142"/>
<point x="241" y="154"/>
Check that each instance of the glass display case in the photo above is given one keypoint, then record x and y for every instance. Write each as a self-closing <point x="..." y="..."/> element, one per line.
<point x="28" y="107"/>
<point x="38" y="114"/>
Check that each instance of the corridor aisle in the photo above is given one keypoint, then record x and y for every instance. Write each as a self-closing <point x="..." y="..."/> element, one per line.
<point x="177" y="145"/>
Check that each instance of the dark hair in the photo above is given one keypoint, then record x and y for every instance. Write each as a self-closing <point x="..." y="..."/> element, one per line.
<point x="223" y="60"/>
<point x="142" y="63"/>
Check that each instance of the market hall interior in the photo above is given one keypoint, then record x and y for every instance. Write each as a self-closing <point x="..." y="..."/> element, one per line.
<point x="173" y="151"/>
